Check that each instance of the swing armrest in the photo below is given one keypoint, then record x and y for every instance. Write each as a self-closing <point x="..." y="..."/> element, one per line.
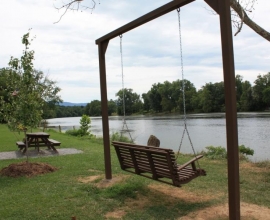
<point x="180" y="167"/>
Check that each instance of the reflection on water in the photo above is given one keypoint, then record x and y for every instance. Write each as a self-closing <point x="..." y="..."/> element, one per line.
<point x="204" y="130"/>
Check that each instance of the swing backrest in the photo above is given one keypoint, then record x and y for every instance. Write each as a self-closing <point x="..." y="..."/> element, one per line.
<point x="151" y="162"/>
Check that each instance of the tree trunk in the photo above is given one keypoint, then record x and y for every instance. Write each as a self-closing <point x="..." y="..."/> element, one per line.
<point x="26" y="145"/>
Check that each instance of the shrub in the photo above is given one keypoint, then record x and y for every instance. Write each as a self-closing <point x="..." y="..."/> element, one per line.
<point x="215" y="152"/>
<point x="246" y="150"/>
<point x="117" y="137"/>
<point x="220" y="152"/>
<point x="83" y="130"/>
<point x="73" y="132"/>
<point x="85" y="125"/>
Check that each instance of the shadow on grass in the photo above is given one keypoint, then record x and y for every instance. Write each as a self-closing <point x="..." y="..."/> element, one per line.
<point x="138" y="201"/>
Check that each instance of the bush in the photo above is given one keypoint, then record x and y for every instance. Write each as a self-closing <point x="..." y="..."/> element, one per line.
<point x="83" y="130"/>
<point x="215" y="152"/>
<point x="85" y="125"/>
<point x="74" y="132"/>
<point x="246" y="150"/>
<point x="117" y="137"/>
<point x="220" y="152"/>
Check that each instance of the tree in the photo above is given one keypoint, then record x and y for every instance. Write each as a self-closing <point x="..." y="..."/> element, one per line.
<point x="155" y="98"/>
<point x="146" y="102"/>
<point x="204" y="97"/>
<point x="239" y="89"/>
<point x="212" y="97"/>
<point x="93" y="108"/>
<point x="246" y="98"/>
<point x="240" y="13"/>
<point x="190" y="93"/>
<point x="242" y="9"/>
<point x="260" y="91"/>
<point x="85" y="122"/>
<point x="28" y="91"/>
<point x="266" y="96"/>
<point x="112" y="107"/>
<point x="133" y="103"/>
<point x="165" y="91"/>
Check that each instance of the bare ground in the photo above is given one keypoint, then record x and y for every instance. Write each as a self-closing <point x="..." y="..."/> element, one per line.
<point x="248" y="211"/>
<point x="26" y="169"/>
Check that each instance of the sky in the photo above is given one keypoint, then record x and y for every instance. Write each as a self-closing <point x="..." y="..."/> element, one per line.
<point x="66" y="51"/>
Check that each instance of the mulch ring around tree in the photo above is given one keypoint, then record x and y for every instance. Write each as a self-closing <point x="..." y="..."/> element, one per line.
<point x="26" y="169"/>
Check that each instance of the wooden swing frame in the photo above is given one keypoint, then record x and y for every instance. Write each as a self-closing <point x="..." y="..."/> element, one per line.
<point x="222" y="8"/>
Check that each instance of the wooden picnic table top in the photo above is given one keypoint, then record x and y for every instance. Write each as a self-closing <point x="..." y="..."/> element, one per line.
<point x="38" y="134"/>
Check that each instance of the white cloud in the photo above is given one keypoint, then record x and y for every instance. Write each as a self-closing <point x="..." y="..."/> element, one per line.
<point x="68" y="53"/>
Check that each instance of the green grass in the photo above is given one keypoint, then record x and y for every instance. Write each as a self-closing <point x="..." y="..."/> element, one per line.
<point x="59" y="195"/>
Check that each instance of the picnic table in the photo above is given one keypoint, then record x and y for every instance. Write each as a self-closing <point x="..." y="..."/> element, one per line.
<point x="38" y="139"/>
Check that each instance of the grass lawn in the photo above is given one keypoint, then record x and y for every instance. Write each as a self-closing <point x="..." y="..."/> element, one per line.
<point x="78" y="189"/>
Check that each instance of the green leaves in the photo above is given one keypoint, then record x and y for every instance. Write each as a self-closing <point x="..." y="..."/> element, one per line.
<point x="27" y="91"/>
<point x="85" y="125"/>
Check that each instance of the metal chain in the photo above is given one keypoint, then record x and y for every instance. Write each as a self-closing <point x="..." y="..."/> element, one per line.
<point x="182" y="64"/>
<point x="183" y="89"/>
<point x="122" y="69"/>
<point x="123" y="90"/>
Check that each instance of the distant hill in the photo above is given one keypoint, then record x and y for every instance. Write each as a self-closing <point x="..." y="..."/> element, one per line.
<point x="72" y="104"/>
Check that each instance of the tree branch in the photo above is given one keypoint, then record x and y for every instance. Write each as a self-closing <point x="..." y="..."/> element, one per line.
<point x="70" y="6"/>
<point x="245" y="18"/>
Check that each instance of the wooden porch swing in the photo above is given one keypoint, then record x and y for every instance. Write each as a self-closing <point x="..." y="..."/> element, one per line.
<point x="158" y="163"/>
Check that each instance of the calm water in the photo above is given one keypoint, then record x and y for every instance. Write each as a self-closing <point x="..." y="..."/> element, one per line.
<point x="204" y="130"/>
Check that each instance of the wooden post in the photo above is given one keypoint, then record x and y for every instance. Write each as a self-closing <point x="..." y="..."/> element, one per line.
<point x="102" y="47"/>
<point x="231" y="110"/>
<point x="222" y="7"/>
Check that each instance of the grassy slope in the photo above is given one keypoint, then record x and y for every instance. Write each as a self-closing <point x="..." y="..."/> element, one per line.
<point x="60" y="195"/>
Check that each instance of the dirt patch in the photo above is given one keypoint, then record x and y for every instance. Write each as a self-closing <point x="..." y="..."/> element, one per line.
<point x="89" y="179"/>
<point x="26" y="169"/>
<point x="96" y="171"/>
<point x="108" y="183"/>
<point x="118" y="214"/>
<point x="252" y="167"/>
<point x="130" y="204"/>
<point x="248" y="212"/>
<point x="178" y="193"/>
<point x="103" y="183"/>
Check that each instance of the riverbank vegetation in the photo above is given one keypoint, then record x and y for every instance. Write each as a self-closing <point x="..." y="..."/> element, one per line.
<point x="167" y="97"/>
<point x="78" y="188"/>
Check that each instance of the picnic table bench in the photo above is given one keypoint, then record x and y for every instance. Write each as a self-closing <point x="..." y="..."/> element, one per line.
<point x="156" y="163"/>
<point x="38" y="139"/>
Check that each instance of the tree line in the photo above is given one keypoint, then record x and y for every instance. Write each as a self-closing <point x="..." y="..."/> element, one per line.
<point x="168" y="97"/>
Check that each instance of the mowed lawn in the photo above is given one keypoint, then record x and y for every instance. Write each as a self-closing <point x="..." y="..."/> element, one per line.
<point x="77" y="188"/>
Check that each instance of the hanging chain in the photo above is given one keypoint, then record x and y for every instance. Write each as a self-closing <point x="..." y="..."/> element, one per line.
<point x="182" y="65"/>
<point x="122" y="67"/>
<point x="123" y="90"/>
<point x="183" y="90"/>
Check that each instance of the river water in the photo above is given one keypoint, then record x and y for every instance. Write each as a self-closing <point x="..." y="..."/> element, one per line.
<point x="204" y="130"/>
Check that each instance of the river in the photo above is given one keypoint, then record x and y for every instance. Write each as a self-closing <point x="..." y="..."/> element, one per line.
<point x="204" y="129"/>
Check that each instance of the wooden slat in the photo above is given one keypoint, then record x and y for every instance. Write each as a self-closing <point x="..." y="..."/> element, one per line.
<point x="155" y="163"/>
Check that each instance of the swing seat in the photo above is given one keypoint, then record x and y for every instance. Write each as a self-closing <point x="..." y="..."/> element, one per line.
<point x="156" y="163"/>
